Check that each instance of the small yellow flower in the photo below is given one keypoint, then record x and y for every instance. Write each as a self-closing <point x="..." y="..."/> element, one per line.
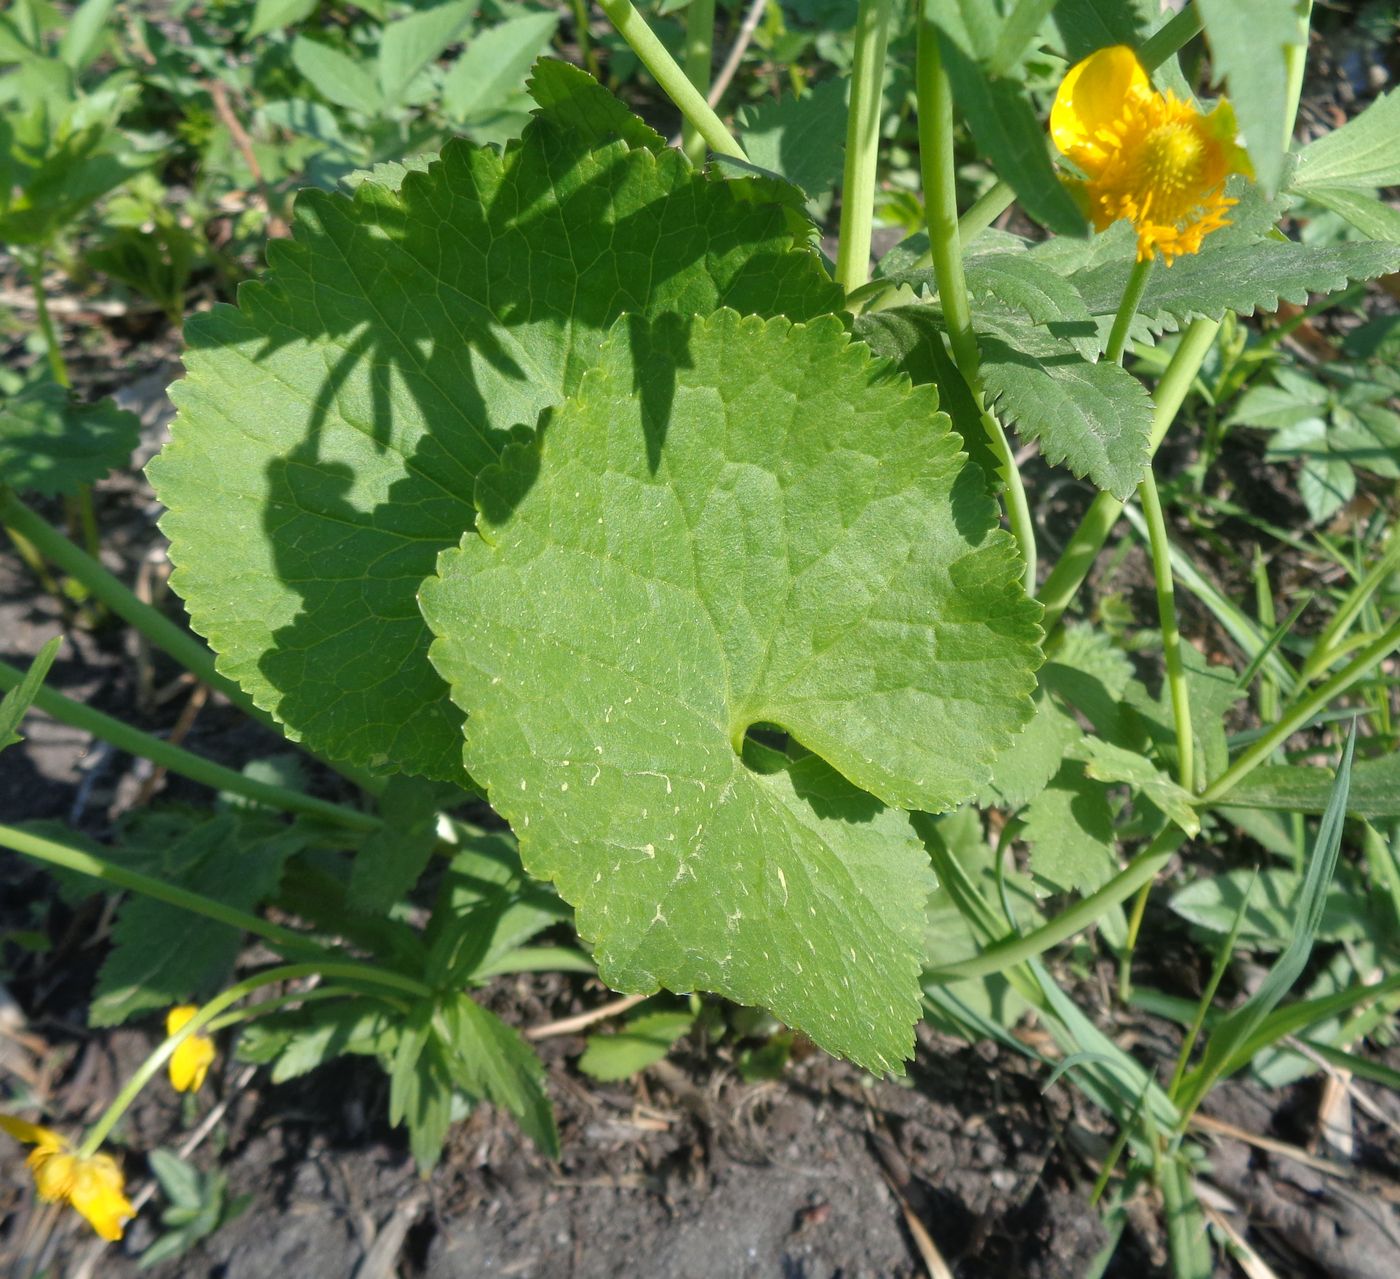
<point x="93" y="1185"/>
<point x="1146" y="156"/>
<point x="192" y="1059"/>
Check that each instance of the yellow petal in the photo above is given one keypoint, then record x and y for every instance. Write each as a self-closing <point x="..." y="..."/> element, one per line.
<point x="54" y="1172"/>
<point x="31" y="1134"/>
<point x="190" y="1063"/>
<point x="177" y="1017"/>
<point x="98" y="1193"/>
<point x="1091" y="98"/>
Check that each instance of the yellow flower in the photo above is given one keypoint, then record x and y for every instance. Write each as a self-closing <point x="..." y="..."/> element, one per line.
<point x="192" y="1059"/>
<point x="1146" y="156"/>
<point x="93" y="1185"/>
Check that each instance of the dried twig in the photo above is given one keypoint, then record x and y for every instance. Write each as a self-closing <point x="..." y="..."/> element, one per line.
<point x="276" y="227"/>
<point x="568" y="1025"/>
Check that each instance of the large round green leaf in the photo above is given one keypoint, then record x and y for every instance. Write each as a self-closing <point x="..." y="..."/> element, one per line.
<point x="751" y="524"/>
<point x="331" y="427"/>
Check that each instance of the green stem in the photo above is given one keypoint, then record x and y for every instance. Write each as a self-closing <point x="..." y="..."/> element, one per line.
<point x="178" y="760"/>
<point x="266" y="1007"/>
<point x="288" y="972"/>
<point x="1083" y="548"/>
<point x="1301" y="711"/>
<point x="699" y="56"/>
<point x="938" y="173"/>
<point x="56" y="854"/>
<point x="106" y="588"/>
<point x="585" y="41"/>
<point x="1170" y="37"/>
<point x="59" y="368"/>
<point x="695" y="111"/>
<point x="862" y="143"/>
<point x="1171" y="635"/>
<point x="1014" y="950"/>
<point x="1125" y="960"/>
<point x="1295" y="58"/>
<point x="1127" y="310"/>
<point x="985" y="210"/>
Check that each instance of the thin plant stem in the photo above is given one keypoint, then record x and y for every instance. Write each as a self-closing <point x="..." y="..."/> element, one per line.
<point x="149" y="1068"/>
<point x="150" y="622"/>
<point x="1089" y="538"/>
<point x="1173" y="35"/>
<point x="699" y="55"/>
<point x="695" y="111"/>
<point x="178" y="760"/>
<point x="57" y="365"/>
<point x="1127" y="309"/>
<point x="110" y="591"/>
<point x="53" y="853"/>
<point x="585" y="41"/>
<point x="1014" y="950"/>
<point x="862" y="143"/>
<point x="1301" y="711"/>
<point x="938" y="173"/>
<point x="1125" y="960"/>
<point x="986" y="209"/>
<point x="1171" y="635"/>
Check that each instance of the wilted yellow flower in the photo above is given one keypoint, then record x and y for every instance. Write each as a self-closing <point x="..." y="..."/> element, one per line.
<point x="1146" y="156"/>
<point x="93" y="1185"/>
<point x="191" y="1060"/>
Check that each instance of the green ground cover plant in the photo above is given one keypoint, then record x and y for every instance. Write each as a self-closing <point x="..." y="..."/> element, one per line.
<point x="670" y="594"/>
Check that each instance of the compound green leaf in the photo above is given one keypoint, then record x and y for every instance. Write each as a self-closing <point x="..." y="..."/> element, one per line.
<point x="53" y="444"/>
<point x="407" y="45"/>
<point x="755" y="525"/>
<point x="332" y="426"/>
<point x="1024" y="769"/>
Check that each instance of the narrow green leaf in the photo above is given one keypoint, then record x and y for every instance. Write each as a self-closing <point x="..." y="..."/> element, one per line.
<point x="1374" y="219"/>
<point x="1011" y="134"/>
<point x="1361" y="155"/>
<point x="1248" y="41"/>
<point x="1294" y="788"/>
<point x="492" y="68"/>
<point x="408" y="45"/>
<point x="389" y="861"/>
<point x="642" y="1042"/>
<point x="18" y="700"/>
<point x="86" y="30"/>
<point x="611" y="659"/>
<point x="336" y="76"/>
<point x="272" y="15"/>
<point x="499" y="1064"/>
<point x="1307" y="912"/>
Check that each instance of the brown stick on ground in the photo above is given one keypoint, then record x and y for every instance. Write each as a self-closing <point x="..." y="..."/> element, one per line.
<point x="276" y="226"/>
